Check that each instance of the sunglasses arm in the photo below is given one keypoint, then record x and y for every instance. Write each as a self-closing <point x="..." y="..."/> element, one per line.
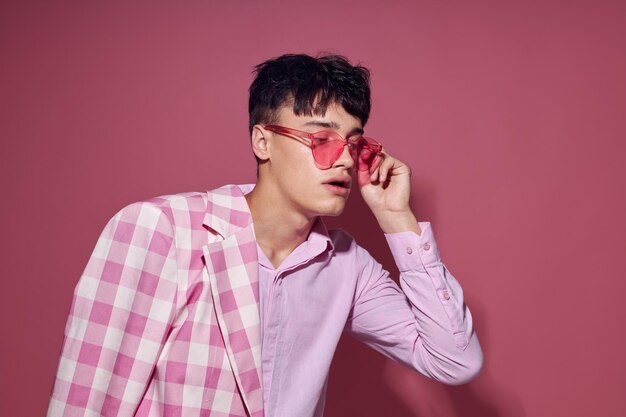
<point x="306" y="141"/>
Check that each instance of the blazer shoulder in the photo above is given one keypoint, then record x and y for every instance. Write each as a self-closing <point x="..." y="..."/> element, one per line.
<point x="188" y="200"/>
<point x="179" y="208"/>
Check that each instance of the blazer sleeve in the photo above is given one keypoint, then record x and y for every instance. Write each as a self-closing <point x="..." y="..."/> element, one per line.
<point x="122" y="310"/>
<point x="424" y="323"/>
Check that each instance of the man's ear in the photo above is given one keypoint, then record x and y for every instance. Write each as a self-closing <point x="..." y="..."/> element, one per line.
<point x="260" y="144"/>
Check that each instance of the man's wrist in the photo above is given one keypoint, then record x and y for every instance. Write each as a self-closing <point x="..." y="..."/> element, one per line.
<point x="396" y="222"/>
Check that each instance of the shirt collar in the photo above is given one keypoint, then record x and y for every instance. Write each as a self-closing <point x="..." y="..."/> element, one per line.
<point x="317" y="242"/>
<point x="228" y="212"/>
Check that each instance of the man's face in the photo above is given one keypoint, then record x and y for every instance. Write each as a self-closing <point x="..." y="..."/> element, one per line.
<point x="302" y="186"/>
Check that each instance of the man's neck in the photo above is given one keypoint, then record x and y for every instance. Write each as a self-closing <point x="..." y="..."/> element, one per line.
<point x="278" y="229"/>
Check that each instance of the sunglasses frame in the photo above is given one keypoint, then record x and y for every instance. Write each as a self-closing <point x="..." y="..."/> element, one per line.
<point x="312" y="140"/>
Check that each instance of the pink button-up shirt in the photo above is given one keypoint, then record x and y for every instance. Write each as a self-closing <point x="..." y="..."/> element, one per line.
<point x="329" y="284"/>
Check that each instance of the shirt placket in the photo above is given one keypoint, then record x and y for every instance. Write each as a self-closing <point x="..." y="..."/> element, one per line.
<point x="272" y="334"/>
<point x="273" y="313"/>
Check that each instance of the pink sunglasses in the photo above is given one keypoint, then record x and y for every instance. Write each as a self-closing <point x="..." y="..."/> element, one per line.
<point x="327" y="146"/>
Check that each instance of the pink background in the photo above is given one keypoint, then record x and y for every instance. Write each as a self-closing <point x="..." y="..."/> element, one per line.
<point x="513" y="117"/>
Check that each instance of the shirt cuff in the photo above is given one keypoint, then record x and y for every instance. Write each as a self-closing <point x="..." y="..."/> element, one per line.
<point x="412" y="251"/>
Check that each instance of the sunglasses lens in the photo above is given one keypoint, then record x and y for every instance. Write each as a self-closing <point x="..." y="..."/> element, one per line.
<point x="328" y="147"/>
<point x="369" y="143"/>
<point x="327" y="152"/>
<point x="368" y="153"/>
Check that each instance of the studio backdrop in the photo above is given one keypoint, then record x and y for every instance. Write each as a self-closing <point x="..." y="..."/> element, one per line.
<point x="511" y="115"/>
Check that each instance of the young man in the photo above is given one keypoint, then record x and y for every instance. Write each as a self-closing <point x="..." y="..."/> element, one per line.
<point x="231" y="302"/>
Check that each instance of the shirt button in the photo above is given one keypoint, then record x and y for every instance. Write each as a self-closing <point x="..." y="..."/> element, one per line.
<point x="446" y="295"/>
<point x="409" y="250"/>
<point x="426" y="246"/>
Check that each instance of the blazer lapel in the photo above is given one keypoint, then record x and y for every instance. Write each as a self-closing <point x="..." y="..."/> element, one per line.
<point x="232" y="266"/>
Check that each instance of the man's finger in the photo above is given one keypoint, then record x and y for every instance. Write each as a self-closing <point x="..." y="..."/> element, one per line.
<point x="364" y="160"/>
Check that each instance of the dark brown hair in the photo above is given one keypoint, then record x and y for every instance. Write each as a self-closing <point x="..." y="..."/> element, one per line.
<point x="309" y="84"/>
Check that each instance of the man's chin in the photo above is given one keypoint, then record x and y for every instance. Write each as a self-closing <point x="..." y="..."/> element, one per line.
<point x="334" y="211"/>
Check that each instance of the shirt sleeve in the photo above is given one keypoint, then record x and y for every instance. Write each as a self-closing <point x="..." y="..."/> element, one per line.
<point x="425" y="323"/>
<point x="121" y="312"/>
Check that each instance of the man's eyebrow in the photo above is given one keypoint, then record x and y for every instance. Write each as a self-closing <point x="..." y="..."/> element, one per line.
<point x="321" y="123"/>
<point x="333" y="125"/>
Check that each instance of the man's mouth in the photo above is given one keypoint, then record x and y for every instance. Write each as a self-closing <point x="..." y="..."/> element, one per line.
<point x="342" y="184"/>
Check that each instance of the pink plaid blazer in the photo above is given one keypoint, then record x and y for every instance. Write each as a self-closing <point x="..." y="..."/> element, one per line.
<point x="165" y="318"/>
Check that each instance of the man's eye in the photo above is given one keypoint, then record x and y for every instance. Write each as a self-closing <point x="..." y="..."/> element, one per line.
<point x="322" y="139"/>
<point x="355" y="139"/>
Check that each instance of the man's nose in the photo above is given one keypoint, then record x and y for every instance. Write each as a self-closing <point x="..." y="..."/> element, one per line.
<point x="345" y="159"/>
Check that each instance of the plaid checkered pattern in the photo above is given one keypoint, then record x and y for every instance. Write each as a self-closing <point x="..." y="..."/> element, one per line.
<point x="165" y="318"/>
